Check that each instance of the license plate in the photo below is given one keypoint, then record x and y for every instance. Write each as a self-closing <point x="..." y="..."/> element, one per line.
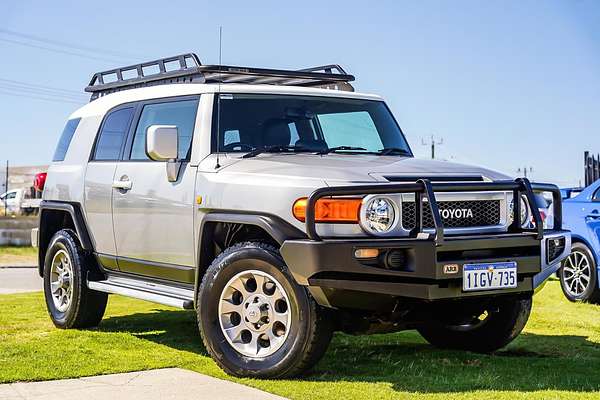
<point x="489" y="276"/>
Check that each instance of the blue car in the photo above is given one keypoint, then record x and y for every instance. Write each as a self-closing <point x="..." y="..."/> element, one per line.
<point x="580" y="271"/>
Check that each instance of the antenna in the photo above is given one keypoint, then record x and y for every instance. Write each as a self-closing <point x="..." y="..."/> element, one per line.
<point x="219" y="101"/>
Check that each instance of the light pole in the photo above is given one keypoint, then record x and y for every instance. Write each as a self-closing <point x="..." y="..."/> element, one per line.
<point x="6" y="190"/>
<point x="524" y="171"/>
<point x="433" y="143"/>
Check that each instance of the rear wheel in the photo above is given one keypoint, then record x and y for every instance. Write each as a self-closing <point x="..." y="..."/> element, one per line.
<point x="69" y="301"/>
<point x="482" y="329"/>
<point x="579" y="275"/>
<point x="255" y="320"/>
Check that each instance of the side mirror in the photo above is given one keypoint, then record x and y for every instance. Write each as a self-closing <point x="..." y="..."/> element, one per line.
<point x="162" y="144"/>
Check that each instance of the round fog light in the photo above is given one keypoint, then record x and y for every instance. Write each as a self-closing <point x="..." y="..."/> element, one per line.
<point x="379" y="215"/>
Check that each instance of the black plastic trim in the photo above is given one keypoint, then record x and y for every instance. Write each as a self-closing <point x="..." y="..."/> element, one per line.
<point x="74" y="209"/>
<point x="331" y="264"/>
<point x="278" y="228"/>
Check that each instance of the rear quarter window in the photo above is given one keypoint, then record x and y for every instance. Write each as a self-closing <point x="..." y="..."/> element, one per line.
<point x="65" y="139"/>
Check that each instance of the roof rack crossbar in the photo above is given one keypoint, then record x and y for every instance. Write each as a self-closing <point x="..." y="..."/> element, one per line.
<point x="190" y="70"/>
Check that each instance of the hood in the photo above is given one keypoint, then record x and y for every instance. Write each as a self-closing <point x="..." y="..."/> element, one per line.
<point x="340" y="168"/>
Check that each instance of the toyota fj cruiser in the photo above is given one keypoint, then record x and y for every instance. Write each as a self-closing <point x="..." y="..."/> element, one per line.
<point x="282" y="207"/>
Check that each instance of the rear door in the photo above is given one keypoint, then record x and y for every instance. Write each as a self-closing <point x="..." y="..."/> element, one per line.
<point x="152" y="217"/>
<point x="99" y="175"/>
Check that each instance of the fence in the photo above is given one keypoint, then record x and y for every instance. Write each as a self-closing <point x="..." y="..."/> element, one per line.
<point x="592" y="168"/>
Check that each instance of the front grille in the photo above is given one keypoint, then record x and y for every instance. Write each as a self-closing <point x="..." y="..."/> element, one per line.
<point x="482" y="213"/>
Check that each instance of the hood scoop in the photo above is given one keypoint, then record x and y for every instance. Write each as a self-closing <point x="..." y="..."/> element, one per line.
<point x="437" y="178"/>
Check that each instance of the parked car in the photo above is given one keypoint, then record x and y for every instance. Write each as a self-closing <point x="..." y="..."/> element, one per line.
<point x="579" y="272"/>
<point x="20" y="202"/>
<point x="281" y="206"/>
<point x="568" y="193"/>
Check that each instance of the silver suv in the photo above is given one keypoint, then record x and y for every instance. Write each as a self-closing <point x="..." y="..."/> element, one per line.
<point x="281" y="206"/>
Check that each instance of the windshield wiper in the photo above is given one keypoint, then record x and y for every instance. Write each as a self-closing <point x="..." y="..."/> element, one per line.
<point x="393" y="150"/>
<point x="273" y="149"/>
<point x="340" y="148"/>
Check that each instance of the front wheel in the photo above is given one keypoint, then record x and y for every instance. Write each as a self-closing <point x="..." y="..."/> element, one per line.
<point x="481" y="329"/>
<point x="255" y="320"/>
<point x="579" y="276"/>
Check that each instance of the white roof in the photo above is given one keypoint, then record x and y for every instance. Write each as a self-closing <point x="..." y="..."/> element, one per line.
<point x="101" y="105"/>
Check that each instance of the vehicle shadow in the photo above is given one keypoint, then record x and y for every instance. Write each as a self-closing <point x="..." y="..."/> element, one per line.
<point x="406" y="362"/>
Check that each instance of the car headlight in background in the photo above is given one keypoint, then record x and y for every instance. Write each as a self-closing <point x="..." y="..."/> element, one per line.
<point x="378" y="214"/>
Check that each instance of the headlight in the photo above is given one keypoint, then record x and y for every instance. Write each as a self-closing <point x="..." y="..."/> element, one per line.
<point x="524" y="218"/>
<point x="378" y="215"/>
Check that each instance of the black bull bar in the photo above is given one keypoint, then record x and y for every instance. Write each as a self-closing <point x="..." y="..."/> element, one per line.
<point x="425" y="189"/>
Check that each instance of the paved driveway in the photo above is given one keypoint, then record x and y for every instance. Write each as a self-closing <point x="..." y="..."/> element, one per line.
<point x="19" y="280"/>
<point x="170" y="383"/>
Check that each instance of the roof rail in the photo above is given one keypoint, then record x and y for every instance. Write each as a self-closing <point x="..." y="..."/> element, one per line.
<point x="186" y="68"/>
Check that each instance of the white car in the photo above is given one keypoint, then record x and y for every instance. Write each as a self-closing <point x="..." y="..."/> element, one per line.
<point x="19" y="202"/>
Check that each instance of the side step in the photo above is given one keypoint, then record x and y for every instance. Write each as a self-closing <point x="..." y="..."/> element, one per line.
<point x="149" y="291"/>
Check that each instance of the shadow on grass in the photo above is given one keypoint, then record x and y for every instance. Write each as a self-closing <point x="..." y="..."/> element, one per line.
<point x="404" y="361"/>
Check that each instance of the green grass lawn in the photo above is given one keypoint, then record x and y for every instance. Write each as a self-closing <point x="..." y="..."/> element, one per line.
<point x="558" y="355"/>
<point x="18" y="255"/>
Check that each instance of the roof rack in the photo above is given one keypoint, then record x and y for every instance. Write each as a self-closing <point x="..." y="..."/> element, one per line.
<point x="186" y="68"/>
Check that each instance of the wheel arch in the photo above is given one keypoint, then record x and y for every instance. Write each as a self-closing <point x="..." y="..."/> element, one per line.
<point x="216" y="234"/>
<point x="55" y="216"/>
<point x="581" y="240"/>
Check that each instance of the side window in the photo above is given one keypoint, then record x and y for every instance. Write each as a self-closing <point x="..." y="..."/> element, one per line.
<point x="596" y="196"/>
<point x="112" y="136"/>
<point x="179" y="113"/>
<point x="11" y="195"/>
<point x="65" y="139"/>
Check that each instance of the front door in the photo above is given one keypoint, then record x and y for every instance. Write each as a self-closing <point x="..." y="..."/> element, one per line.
<point x="152" y="217"/>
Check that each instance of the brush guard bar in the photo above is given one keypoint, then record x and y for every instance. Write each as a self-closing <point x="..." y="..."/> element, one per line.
<point x="425" y="189"/>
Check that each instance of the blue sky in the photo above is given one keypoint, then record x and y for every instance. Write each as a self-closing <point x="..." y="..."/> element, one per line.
<point x="506" y="84"/>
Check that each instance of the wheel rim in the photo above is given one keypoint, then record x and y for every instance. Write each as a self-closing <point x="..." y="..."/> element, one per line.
<point x="254" y="313"/>
<point x="61" y="281"/>
<point x="576" y="273"/>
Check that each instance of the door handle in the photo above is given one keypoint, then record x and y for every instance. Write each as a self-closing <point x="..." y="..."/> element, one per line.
<point x="123" y="184"/>
<point x="593" y="214"/>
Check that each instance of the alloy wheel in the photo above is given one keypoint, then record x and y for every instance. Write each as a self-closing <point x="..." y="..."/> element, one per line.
<point x="576" y="273"/>
<point x="254" y="313"/>
<point x="61" y="280"/>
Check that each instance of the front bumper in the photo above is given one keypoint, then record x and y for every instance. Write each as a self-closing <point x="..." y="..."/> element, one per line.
<point x="427" y="266"/>
<point x="331" y="271"/>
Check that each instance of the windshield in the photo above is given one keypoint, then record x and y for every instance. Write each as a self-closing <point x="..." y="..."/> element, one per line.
<point x="309" y="123"/>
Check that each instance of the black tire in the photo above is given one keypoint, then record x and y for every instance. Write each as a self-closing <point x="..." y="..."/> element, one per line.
<point x="504" y="320"/>
<point x="591" y="294"/>
<point x="310" y="331"/>
<point x="87" y="306"/>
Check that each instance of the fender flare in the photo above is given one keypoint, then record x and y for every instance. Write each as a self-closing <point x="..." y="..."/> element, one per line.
<point x="74" y="210"/>
<point x="276" y="227"/>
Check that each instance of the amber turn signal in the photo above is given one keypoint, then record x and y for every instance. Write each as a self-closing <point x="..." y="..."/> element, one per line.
<point x="366" y="253"/>
<point x="342" y="210"/>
